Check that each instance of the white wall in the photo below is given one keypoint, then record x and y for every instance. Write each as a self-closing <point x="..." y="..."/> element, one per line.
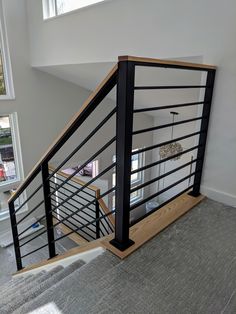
<point x="156" y="28"/>
<point x="44" y="103"/>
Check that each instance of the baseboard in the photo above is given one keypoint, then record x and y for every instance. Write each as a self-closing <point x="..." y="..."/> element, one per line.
<point x="219" y="196"/>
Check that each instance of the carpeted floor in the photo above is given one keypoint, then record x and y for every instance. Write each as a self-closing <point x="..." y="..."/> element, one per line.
<point x="190" y="267"/>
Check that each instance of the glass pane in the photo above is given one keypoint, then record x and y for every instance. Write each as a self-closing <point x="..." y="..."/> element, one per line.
<point x="134" y="177"/>
<point x="64" y="6"/>
<point x="113" y="179"/>
<point x="135" y="164"/>
<point x="2" y="82"/>
<point x="7" y="159"/>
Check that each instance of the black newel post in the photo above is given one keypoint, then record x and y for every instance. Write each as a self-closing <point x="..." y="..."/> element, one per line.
<point x="124" y="125"/>
<point x="204" y="128"/>
<point x="48" y="210"/>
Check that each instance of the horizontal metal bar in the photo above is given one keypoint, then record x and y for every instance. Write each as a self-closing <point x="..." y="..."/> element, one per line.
<point x="84" y="164"/>
<point x="26" y="183"/>
<point x="65" y="223"/>
<point x="167" y="142"/>
<point x="30" y="212"/>
<point x="107" y="192"/>
<point x="35" y="237"/>
<point x="72" y="199"/>
<point x="40" y="248"/>
<point x="167" y="125"/>
<point x="165" y="159"/>
<point x="108" y="223"/>
<point x="95" y="130"/>
<point x="89" y="182"/>
<point x="161" y="205"/>
<point x="169" y="87"/>
<point x="37" y="221"/>
<point x="90" y="107"/>
<point x="29" y="198"/>
<point x="80" y="228"/>
<point x="101" y="221"/>
<point x="103" y="224"/>
<point x="70" y="210"/>
<point x="162" y="191"/>
<point x="76" y="231"/>
<point x="71" y="185"/>
<point x="92" y="202"/>
<point x="136" y="188"/>
<point x="168" y="107"/>
<point x="102" y="232"/>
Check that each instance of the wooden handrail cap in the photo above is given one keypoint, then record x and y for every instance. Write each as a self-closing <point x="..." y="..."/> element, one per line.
<point x="167" y="62"/>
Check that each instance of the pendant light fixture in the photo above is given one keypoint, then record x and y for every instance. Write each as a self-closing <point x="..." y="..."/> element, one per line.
<point x="173" y="148"/>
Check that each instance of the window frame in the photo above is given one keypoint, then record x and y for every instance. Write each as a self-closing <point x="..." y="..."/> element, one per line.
<point x="5" y="55"/>
<point x="137" y="182"/>
<point x="52" y="5"/>
<point x="13" y="184"/>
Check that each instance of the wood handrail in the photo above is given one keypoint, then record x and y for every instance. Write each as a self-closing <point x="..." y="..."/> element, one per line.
<point x="106" y="210"/>
<point x="64" y="134"/>
<point x="168" y="62"/>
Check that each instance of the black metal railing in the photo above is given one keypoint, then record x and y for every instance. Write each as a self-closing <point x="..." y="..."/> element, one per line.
<point x="58" y="199"/>
<point x="126" y="111"/>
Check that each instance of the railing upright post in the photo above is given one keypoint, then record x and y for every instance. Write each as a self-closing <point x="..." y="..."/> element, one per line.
<point x="48" y="210"/>
<point x="15" y="235"/>
<point x="203" y="136"/>
<point x="124" y="129"/>
<point x="97" y="220"/>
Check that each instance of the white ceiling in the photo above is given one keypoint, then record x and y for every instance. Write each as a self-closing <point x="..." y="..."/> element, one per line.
<point x="89" y="75"/>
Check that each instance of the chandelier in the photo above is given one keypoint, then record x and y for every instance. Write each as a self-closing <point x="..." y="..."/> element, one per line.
<point x="173" y="148"/>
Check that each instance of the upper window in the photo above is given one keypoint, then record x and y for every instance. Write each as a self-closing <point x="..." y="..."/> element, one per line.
<point x="6" y="83"/>
<point x="53" y="8"/>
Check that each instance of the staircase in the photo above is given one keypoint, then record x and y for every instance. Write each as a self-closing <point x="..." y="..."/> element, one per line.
<point x="82" y="209"/>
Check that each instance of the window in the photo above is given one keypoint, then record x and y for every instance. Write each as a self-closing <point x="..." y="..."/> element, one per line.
<point x="6" y="83"/>
<point x="136" y="178"/>
<point x="53" y="8"/>
<point x="10" y="160"/>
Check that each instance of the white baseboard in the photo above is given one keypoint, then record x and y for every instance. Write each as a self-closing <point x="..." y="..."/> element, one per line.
<point x="219" y="196"/>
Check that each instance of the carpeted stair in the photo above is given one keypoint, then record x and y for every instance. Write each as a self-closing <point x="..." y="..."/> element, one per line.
<point x="19" y="291"/>
<point x="75" y="293"/>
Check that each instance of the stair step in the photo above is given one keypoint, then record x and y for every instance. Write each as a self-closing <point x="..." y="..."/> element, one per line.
<point x="12" y="289"/>
<point x="28" y="287"/>
<point x="79" y="285"/>
<point x="50" y="279"/>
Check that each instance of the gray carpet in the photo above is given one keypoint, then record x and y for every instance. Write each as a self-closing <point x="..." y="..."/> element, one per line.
<point x="188" y="268"/>
<point x="7" y="255"/>
<point x="32" y="292"/>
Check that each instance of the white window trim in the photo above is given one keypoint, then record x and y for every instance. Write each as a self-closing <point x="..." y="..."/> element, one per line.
<point x="140" y="181"/>
<point x="46" y="16"/>
<point x="137" y="182"/>
<point x="7" y="70"/>
<point x="12" y="184"/>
